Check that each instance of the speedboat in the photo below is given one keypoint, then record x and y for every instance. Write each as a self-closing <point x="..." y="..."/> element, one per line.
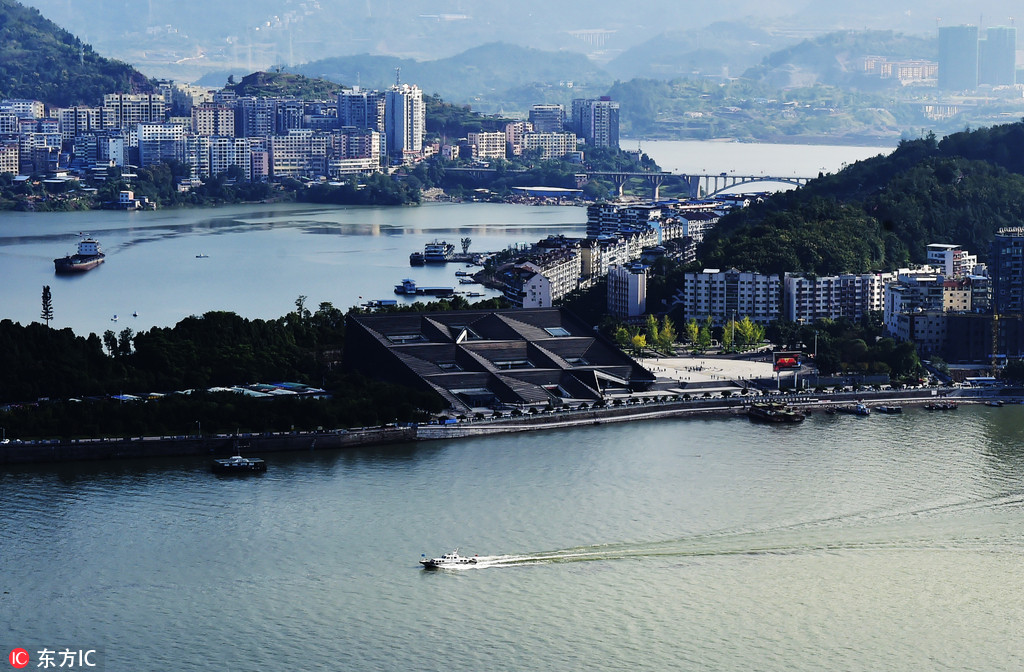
<point x="237" y="464"/>
<point x="446" y="561"/>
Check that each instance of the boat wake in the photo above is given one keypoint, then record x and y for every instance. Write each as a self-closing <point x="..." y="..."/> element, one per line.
<point x="916" y="528"/>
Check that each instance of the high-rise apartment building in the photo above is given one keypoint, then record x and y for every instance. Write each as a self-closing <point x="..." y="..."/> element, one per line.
<point x="997" y="57"/>
<point x="404" y="122"/>
<point x="126" y="110"/>
<point x="724" y="295"/>
<point x="1006" y="268"/>
<point x="958" y="58"/>
<point x="547" y="118"/>
<point x="359" y="108"/>
<point x="213" y="120"/>
<point x="596" y="121"/>
<point x="160" y="142"/>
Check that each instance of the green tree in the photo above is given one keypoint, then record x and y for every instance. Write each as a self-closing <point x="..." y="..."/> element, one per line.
<point x="47" y="312"/>
<point x="651" y="331"/>
<point x="704" y="337"/>
<point x="692" y="332"/>
<point x="728" y="335"/>
<point x="668" y="335"/>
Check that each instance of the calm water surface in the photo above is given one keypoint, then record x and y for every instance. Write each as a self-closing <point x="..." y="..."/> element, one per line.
<point x="881" y="543"/>
<point x="260" y="258"/>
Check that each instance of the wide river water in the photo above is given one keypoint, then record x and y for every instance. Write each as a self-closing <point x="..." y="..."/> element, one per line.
<point x="844" y="543"/>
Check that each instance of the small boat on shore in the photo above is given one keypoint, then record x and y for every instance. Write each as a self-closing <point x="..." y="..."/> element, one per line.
<point x="237" y="464"/>
<point x="447" y="561"/>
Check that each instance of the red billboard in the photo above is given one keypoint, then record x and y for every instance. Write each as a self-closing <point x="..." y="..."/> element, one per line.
<point x="785" y="361"/>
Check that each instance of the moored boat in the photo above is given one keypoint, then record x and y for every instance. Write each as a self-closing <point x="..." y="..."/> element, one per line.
<point x="855" y="409"/>
<point x="88" y="257"/>
<point x="889" y="410"/>
<point x="773" y="412"/>
<point x="416" y="259"/>
<point x="237" y="464"/>
<point x="940" y="406"/>
<point x="447" y="561"/>
<point x="438" y="252"/>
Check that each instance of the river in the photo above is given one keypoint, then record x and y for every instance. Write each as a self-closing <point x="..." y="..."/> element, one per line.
<point x="844" y="543"/>
<point x="261" y="258"/>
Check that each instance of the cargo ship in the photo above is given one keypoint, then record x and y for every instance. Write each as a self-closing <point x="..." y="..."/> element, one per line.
<point x="88" y="257"/>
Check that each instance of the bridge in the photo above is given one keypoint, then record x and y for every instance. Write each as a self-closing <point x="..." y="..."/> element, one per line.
<point x="698" y="185"/>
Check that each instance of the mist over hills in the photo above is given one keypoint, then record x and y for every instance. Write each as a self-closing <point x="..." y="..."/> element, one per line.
<point x="186" y="39"/>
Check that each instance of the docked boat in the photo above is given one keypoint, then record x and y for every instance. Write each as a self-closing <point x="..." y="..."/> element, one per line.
<point x="416" y="259"/>
<point x="940" y="406"/>
<point x="88" y="257"/>
<point x="447" y="561"/>
<point x="409" y="288"/>
<point x="773" y="412"/>
<point x="994" y="403"/>
<point x="855" y="409"/>
<point x="237" y="464"/>
<point x="889" y="410"/>
<point x="467" y="281"/>
<point x="438" y="252"/>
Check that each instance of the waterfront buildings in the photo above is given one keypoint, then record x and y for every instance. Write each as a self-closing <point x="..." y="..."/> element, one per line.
<point x="477" y="359"/>
<point x="724" y="295"/>
<point x="811" y="298"/>
<point x="404" y="122"/>
<point x="627" y="292"/>
<point x="547" y="118"/>
<point x="596" y="120"/>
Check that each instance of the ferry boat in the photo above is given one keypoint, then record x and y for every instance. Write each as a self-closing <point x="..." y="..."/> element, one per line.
<point x="773" y="412"/>
<point x="438" y="252"/>
<point x="447" y="561"/>
<point x="88" y="257"/>
<point x="237" y="464"/>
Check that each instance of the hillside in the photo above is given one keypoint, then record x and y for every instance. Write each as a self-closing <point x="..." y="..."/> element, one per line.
<point x="491" y="77"/>
<point x="285" y="84"/>
<point x="41" y="61"/>
<point x="881" y="213"/>
<point x="835" y="59"/>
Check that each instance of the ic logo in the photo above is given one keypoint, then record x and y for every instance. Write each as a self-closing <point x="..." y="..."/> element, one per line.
<point x="19" y="658"/>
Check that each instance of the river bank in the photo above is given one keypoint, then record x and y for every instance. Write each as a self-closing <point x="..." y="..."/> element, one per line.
<point x="631" y="410"/>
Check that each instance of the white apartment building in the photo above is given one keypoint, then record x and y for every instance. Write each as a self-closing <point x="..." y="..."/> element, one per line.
<point x="488" y="145"/>
<point x="301" y="152"/>
<point x="126" y="110"/>
<point x="514" y="133"/>
<point x="627" y="292"/>
<point x="725" y="295"/>
<point x="952" y="260"/>
<point x="74" y="121"/>
<point x="405" y="122"/>
<point x="552" y="145"/>
<point x="226" y="152"/>
<point x="10" y="154"/>
<point x="23" y="109"/>
<point x="360" y="108"/>
<point x="159" y="142"/>
<point x="831" y="297"/>
<point x="213" y="120"/>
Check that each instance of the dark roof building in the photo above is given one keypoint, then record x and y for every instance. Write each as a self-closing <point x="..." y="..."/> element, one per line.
<point x="479" y="359"/>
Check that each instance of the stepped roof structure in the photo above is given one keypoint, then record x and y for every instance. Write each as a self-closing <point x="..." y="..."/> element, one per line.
<point x="491" y="358"/>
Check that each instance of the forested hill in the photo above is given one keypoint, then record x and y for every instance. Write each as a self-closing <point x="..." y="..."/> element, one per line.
<point x="41" y="61"/>
<point x="881" y="213"/>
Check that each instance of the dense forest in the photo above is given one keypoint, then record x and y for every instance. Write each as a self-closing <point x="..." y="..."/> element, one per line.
<point x="41" y="61"/>
<point x="881" y="213"/>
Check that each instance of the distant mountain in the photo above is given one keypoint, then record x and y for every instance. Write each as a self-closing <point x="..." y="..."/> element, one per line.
<point x="719" y="50"/>
<point x="835" y="59"/>
<point x="41" y="61"/>
<point x="490" y="77"/>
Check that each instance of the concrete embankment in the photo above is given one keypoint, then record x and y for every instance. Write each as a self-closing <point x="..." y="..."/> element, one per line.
<point x="214" y="446"/>
<point x="252" y="444"/>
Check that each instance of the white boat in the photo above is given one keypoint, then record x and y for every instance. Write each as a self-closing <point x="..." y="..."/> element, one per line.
<point x="447" y="561"/>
